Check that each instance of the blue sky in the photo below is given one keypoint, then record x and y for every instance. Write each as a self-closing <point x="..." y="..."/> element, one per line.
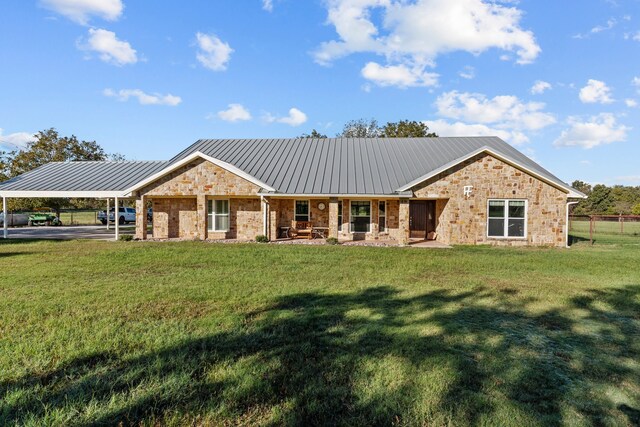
<point x="560" y="80"/>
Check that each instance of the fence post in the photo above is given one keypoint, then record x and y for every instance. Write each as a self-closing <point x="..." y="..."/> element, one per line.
<point x="591" y="230"/>
<point x="621" y="224"/>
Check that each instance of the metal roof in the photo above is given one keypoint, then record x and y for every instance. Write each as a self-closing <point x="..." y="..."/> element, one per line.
<point x="351" y="166"/>
<point x="83" y="176"/>
<point x="300" y="166"/>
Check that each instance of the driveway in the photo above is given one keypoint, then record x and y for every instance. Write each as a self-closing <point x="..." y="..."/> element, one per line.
<point x="96" y="232"/>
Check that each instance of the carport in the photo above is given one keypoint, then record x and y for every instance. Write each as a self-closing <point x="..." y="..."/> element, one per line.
<point x="92" y="180"/>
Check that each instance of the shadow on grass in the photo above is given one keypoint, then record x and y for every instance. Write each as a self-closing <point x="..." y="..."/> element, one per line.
<point x="369" y="358"/>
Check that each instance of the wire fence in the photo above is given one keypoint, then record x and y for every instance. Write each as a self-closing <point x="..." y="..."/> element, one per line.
<point x="606" y="229"/>
<point x="67" y="217"/>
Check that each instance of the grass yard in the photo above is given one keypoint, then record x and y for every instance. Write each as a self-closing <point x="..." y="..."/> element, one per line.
<point x="607" y="232"/>
<point x="207" y="334"/>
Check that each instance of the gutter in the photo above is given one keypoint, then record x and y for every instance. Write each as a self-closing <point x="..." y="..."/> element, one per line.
<point x="566" y="224"/>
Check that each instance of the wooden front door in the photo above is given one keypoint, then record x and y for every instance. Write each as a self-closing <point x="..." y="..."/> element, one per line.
<point x="422" y="218"/>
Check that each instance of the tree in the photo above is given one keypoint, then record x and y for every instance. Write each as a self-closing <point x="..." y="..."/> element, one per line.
<point x="314" y="134"/>
<point x="406" y="129"/>
<point x="582" y="186"/>
<point x="48" y="146"/>
<point x="600" y="200"/>
<point x="636" y="209"/>
<point x="361" y="128"/>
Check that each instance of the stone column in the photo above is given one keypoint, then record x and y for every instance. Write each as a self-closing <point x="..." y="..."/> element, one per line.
<point x="346" y="218"/>
<point x="333" y="217"/>
<point x="375" y="227"/>
<point x="403" y="222"/>
<point x="201" y="211"/>
<point x="141" y="217"/>
<point x="273" y="205"/>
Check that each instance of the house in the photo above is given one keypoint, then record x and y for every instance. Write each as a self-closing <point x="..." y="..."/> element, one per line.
<point x="458" y="190"/>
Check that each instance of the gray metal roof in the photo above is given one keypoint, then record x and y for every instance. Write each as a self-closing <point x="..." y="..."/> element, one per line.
<point x="350" y="165"/>
<point x="84" y="176"/>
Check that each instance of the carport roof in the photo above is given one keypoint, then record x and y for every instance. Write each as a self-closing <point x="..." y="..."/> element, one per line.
<point x="80" y="179"/>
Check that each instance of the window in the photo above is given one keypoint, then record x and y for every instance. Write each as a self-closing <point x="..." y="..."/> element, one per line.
<point x="339" y="216"/>
<point x="360" y="217"/>
<point x="507" y="218"/>
<point x="382" y="217"/>
<point x="302" y="210"/>
<point x="218" y="215"/>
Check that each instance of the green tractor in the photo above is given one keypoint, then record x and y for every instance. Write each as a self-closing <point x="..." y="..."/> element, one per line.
<point x="44" y="216"/>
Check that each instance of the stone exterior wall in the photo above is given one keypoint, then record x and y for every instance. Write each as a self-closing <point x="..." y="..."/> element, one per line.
<point x="319" y="218"/>
<point x="200" y="177"/>
<point x="175" y="218"/>
<point x="245" y="221"/>
<point x="390" y="234"/>
<point x="463" y="220"/>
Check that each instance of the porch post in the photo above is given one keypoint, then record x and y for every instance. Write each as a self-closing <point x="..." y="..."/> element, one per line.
<point x="333" y="217"/>
<point x="201" y="208"/>
<point x="5" y="220"/>
<point x="116" y="219"/>
<point x="265" y="216"/>
<point x="403" y="222"/>
<point x="274" y="212"/>
<point x="141" y="218"/>
<point x="108" y="203"/>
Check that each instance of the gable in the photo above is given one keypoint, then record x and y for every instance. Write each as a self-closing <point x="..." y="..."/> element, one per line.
<point x="489" y="176"/>
<point x="200" y="176"/>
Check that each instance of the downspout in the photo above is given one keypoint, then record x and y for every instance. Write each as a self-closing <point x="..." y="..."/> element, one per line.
<point x="566" y="224"/>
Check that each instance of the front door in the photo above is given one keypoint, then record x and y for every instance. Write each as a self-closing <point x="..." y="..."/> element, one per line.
<point x="422" y="218"/>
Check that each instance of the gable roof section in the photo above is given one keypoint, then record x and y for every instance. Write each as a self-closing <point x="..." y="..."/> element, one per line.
<point x="172" y="166"/>
<point x="357" y="166"/>
<point x="80" y="179"/>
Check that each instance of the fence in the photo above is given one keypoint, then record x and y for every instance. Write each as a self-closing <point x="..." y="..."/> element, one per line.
<point x="67" y="217"/>
<point x="608" y="229"/>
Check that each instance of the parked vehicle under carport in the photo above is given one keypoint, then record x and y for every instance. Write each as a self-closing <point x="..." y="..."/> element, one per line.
<point x="125" y="215"/>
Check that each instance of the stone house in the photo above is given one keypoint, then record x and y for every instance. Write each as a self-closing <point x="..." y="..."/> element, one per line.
<point x="454" y="190"/>
<point x="476" y="190"/>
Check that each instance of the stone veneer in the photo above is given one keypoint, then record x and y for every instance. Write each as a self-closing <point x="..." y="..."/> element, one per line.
<point x="180" y="203"/>
<point x="463" y="220"/>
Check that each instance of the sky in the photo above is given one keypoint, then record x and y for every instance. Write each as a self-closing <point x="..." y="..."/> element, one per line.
<point x="559" y="80"/>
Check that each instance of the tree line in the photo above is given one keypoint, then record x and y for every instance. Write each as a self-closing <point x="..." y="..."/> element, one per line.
<point x="369" y="128"/>
<point x="605" y="200"/>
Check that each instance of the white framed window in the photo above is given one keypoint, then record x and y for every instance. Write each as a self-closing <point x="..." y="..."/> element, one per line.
<point x="507" y="218"/>
<point x="301" y="210"/>
<point x="218" y="215"/>
<point x="382" y="217"/>
<point x="339" y="216"/>
<point x="360" y="218"/>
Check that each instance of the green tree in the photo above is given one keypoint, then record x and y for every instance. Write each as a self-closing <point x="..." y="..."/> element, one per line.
<point x="582" y="186"/>
<point x="361" y="128"/>
<point x="600" y="200"/>
<point x="406" y="129"/>
<point x="636" y="209"/>
<point x="314" y="134"/>
<point x="48" y="146"/>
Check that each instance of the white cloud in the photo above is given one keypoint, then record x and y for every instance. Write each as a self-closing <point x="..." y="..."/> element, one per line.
<point x="143" y="98"/>
<point x="444" y="128"/>
<point x="611" y="22"/>
<point x="267" y="5"/>
<point x="426" y="28"/>
<point x="234" y="113"/>
<point x="80" y="11"/>
<point x="631" y="103"/>
<point x="504" y="111"/>
<point x="633" y="36"/>
<point x="636" y="83"/>
<point x="540" y="87"/>
<point x="468" y="72"/>
<point x="295" y="118"/>
<point x="414" y="34"/>
<point x="596" y="91"/>
<point x="213" y="53"/>
<point x="398" y="75"/>
<point x="109" y="48"/>
<point x="597" y="130"/>
<point x="16" y="140"/>
<point x="585" y="162"/>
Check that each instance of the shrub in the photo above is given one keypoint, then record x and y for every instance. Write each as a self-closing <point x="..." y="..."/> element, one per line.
<point x="262" y="239"/>
<point x="332" y="241"/>
<point x="126" y="237"/>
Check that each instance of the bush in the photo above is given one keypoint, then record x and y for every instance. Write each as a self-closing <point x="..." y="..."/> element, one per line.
<point x="332" y="241"/>
<point x="126" y="237"/>
<point x="262" y="239"/>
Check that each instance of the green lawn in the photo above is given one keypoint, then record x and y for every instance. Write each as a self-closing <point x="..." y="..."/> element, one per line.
<point x="607" y="232"/>
<point x="210" y="334"/>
